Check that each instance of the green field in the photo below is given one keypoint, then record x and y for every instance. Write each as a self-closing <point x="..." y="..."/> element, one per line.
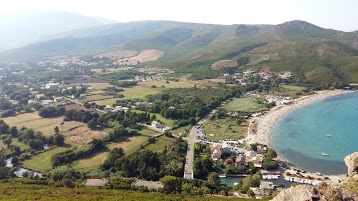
<point x="110" y="70"/>
<point x="244" y="105"/>
<point x="225" y="129"/>
<point x="171" y="84"/>
<point x="42" y="161"/>
<point x="92" y="163"/>
<point x="159" y="117"/>
<point x="160" y="143"/>
<point x="148" y="132"/>
<point x="287" y="90"/>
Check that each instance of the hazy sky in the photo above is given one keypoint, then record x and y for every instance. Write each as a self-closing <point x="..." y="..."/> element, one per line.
<point x="336" y="14"/>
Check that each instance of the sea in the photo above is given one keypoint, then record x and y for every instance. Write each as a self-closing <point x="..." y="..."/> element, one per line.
<point x="327" y="127"/>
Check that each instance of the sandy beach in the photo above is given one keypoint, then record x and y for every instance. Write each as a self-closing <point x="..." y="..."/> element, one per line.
<point x="266" y="123"/>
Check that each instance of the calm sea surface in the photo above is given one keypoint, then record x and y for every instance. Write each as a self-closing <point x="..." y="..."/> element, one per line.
<point x="329" y="126"/>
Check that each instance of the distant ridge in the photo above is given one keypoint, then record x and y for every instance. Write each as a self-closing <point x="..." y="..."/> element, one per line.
<point x="312" y="53"/>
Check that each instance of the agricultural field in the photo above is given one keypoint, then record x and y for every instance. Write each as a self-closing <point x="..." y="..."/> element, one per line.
<point x="99" y="86"/>
<point x="110" y="70"/>
<point x="244" y="105"/>
<point x="96" y="97"/>
<point x="167" y="85"/>
<point x="82" y="134"/>
<point x="288" y="90"/>
<point x="120" y="54"/>
<point x="85" y="79"/>
<point x="45" y="125"/>
<point x="160" y="143"/>
<point x="148" y="132"/>
<point x="226" y="128"/>
<point x="92" y="163"/>
<point x="142" y="57"/>
<point x="42" y="161"/>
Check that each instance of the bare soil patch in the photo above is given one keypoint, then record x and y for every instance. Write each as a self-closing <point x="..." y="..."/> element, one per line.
<point x="75" y="106"/>
<point x="223" y="63"/>
<point x="144" y="56"/>
<point x="120" y="54"/>
<point x="83" y="135"/>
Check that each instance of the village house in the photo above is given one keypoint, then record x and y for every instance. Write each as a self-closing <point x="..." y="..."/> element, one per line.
<point x="96" y="182"/>
<point x="240" y="161"/>
<point x="108" y="108"/>
<point x="156" y="124"/>
<point x="39" y="96"/>
<point x="47" y="102"/>
<point x="32" y="102"/>
<point x="267" y="185"/>
<point x="58" y="99"/>
<point x="120" y="108"/>
<point x="226" y="147"/>
<point x="286" y="75"/>
<point x="261" y="149"/>
<point x="252" y="157"/>
<point x="216" y="152"/>
<point x="52" y="85"/>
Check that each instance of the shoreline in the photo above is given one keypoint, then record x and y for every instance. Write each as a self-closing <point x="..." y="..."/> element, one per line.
<point x="267" y="123"/>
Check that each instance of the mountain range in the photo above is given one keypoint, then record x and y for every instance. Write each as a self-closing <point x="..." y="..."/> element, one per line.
<point x="312" y="53"/>
<point x="35" y="26"/>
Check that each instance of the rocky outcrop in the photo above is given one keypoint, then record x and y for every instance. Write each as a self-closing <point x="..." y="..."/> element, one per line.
<point x="324" y="191"/>
<point x="299" y="193"/>
<point x="352" y="164"/>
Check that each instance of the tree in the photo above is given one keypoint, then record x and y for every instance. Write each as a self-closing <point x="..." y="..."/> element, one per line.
<point x="7" y="141"/>
<point x="250" y="193"/>
<point x="58" y="140"/>
<point x="92" y="124"/>
<point x="271" y="154"/>
<point x="57" y="130"/>
<point x="15" y="161"/>
<point x="214" y="179"/>
<point x="13" y="131"/>
<point x="171" y="184"/>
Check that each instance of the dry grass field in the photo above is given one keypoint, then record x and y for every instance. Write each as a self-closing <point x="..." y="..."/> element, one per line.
<point x="82" y="135"/>
<point x="144" y="56"/>
<point x="92" y="163"/>
<point x="110" y="70"/>
<point x="223" y="63"/>
<point x="45" y="125"/>
<point x="120" y="54"/>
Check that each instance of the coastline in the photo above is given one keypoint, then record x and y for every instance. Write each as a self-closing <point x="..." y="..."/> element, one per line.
<point x="266" y="124"/>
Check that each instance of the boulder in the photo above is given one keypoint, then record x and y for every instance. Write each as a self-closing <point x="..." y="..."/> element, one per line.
<point x="352" y="164"/>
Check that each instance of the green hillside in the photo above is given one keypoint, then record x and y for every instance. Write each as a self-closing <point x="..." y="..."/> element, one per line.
<point x="312" y="53"/>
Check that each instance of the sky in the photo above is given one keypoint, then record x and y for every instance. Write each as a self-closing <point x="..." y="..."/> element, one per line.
<point x="335" y="14"/>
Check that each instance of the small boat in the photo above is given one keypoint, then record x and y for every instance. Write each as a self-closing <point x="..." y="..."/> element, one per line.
<point x="324" y="154"/>
<point x="328" y="135"/>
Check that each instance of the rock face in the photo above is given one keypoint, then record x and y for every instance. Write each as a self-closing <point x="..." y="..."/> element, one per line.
<point x="299" y="193"/>
<point x="352" y="164"/>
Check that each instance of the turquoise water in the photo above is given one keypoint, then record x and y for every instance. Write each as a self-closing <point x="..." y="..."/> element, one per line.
<point x="301" y="136"/>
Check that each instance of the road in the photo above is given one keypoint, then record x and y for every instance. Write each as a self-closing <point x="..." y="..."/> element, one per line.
<point x="188" y="168"/>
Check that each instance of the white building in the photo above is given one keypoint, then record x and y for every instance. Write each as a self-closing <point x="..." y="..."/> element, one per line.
<point x="156" y="124"/>
<point x="52" y="86"/>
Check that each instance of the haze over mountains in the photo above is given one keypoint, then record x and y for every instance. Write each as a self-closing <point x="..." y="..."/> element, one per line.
<point x="34" y="26"/>
<point x="311" y="52"/>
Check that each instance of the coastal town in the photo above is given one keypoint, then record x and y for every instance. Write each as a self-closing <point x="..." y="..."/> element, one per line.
<point x="237" y="155"/>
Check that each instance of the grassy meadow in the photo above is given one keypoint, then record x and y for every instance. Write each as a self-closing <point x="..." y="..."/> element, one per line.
<point x="226" y="128"/>
<point x="244" y="105"/>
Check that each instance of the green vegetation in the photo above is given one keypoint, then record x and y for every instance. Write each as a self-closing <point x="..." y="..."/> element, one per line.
<point x="226" y="128"/>
<point x="160" y="144"/>
<point x="25" y="190"/>
<point x="245" y="105"/>
<point x="42" y="162"/>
